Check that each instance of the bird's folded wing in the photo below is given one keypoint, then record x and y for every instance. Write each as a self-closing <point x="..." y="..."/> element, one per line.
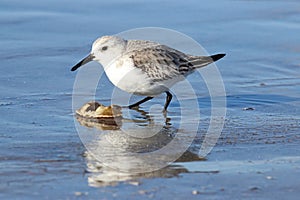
<point x="160" y="62"/>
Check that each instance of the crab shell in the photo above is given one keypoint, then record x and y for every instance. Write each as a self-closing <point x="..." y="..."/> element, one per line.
<point x="95" y="110"/>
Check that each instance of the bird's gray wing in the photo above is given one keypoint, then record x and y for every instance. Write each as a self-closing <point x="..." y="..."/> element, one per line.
<point x="136" y="45"/>
<point x="161" y="62"/>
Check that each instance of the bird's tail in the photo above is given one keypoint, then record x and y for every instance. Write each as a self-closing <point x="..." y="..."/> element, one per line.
<point x="201" y="61"/>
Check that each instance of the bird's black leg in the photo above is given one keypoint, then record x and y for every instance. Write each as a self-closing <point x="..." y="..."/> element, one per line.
<point x="140" y="102"/>
<point x="168" y="100"/>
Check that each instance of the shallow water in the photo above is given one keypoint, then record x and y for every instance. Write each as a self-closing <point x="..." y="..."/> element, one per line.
<point x="42" y="155"/>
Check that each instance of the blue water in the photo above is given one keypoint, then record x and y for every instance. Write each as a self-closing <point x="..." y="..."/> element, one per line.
<point x="41" y="153"/>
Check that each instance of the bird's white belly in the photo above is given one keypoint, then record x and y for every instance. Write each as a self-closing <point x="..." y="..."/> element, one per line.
<point x="133" y="80"/>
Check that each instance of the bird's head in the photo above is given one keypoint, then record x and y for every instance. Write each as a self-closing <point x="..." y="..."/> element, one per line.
<point x="104" y="50"/>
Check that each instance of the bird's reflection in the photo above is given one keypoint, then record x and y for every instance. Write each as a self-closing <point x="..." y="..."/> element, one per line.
<point x="132" y="148"/>
<point x="100" y="175"/>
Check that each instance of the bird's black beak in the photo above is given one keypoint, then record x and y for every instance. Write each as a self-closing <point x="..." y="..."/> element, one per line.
<point x="87" y="59"/>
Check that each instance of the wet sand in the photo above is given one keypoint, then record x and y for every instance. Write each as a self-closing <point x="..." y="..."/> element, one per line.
<point x="257" y="155"/>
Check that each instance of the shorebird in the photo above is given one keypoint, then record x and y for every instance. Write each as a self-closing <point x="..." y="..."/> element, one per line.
<point x="143" y="67"/>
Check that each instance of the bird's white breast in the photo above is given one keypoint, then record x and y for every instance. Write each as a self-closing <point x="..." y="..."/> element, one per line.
<point x="123" y="74"/>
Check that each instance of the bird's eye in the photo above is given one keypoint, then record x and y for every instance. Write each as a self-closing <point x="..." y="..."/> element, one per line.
<point x="104" y="48"/>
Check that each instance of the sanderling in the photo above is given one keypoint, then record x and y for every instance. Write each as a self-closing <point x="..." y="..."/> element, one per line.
<point x="142" y="67"/>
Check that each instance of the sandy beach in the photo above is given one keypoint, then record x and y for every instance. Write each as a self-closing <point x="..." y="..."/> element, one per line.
<point x="43" y="156"/>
